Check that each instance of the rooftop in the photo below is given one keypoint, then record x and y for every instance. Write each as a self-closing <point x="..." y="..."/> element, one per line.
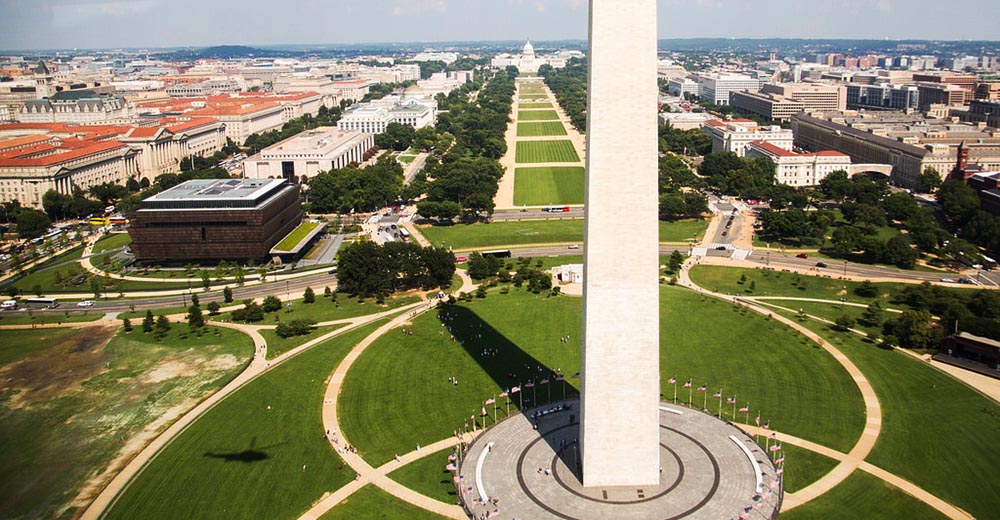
<point x="206" y="194"/>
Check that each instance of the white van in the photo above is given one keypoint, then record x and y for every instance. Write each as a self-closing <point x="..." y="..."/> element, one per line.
<point x="8" y="305"/>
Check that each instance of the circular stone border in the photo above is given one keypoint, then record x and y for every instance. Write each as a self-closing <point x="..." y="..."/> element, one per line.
<point x="704" y="475"/>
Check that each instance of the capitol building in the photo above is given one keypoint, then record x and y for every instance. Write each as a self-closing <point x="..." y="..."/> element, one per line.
<point x="528" y="62"/>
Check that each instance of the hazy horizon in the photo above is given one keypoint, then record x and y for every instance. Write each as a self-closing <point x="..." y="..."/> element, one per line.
<point x="104" y="24"/>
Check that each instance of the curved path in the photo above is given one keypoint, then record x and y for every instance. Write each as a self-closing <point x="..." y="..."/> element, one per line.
<point x="258" y="365"/>
<point x="855" y="459"/>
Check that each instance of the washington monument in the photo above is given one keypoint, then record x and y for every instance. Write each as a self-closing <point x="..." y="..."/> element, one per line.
<point x="620" y="424"/>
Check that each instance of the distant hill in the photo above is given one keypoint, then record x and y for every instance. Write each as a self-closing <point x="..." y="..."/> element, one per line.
<point x="222" y="52"/>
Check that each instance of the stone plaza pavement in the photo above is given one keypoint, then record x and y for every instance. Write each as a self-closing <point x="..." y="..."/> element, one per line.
<point x="528" y="467"/>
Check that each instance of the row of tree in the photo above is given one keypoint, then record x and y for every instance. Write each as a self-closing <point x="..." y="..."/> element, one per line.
<point x="356" y="189"/>
<point x="569" y="84"/>
<point x="366" y="269"/>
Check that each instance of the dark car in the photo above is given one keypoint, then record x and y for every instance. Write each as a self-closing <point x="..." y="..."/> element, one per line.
<point x="820" y="264"/>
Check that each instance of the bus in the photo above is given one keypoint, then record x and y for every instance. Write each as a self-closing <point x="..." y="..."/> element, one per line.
<point x="404" y="234"/>
<point x="497" y="253"/>
<point x="41" y="303"/>
<point x="98" y="221"/>
<point x="556" y="209"/>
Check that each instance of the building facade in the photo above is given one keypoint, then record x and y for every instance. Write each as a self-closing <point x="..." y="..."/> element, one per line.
<point x="207" y="220"/>
<point x="716" y="88"/>
<point x="305" y="155"/>
<point x="79" y="107"/>
<point x="735" y="135"/>
<point x="799" y="169"/>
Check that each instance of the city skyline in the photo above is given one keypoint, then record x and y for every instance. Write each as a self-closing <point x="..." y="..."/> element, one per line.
<point x="98" y="24"/>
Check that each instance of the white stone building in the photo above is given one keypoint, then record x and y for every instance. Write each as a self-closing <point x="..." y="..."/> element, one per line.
<point x="81" y="106"/>
<point x="799" y="169"/>
<point x="716" y="87"/>
<point x="372" y="118"/>
<point x="735" y="135"/>
<point x="305" y="155"/>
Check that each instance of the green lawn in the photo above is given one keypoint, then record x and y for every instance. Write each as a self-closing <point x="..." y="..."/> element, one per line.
<point x="465" y="236"/>
<point x="72" y="397"/>
<point x="863" y="496"/>
<point x="803" y="467"/>
<point x="371" y="503"/>
<point x="535" y="105"/>
<point x="682" y="231"/>
<point x="540" y="129"/>
<point x="277" y="345"/>
<point x="22" y="318"/>
<point x="428" y="476"/>
<point x="537" y="115"/>
<point x="830" y="311"/>
<point x="777" y="283"/>
<point x="296" y="236"/>
<point x="936" y="432"/>
<point x="112" y="241"/>
<point x="552" y="185"/>
<point x="324" y="310"/>
<point x="260" y="453"/>
<point x="545" y="151"/>
<point x="397" y="395"/>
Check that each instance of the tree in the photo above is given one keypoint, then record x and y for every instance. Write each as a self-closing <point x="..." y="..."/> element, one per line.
<point x="844" y="322"/>
<point x="96" y="286"/>
<point x="900" y="206"/>
<point x="213" y="308"/>
<point x="127" y="324"/>
<point x="298" y="327"/>
<point x="195" y="319"/>
<point x="872" y="315"/>
<point x="675" y="262"/>
<point x="206" y="280"/>
<point x="959" y="202"/>
<point x="308" y="296"/>
<point x="147" y="322"/>
<point x="836" y="185"/>
<point x="162" y="327"/>
<point x="271" y="304"/>
<point x="227" y="295"/>
<point x="914" y="329"/>
<point x="929" y="180"/>
<point x="397" y="137"/>
<point x="250" y="312"/>
<point x="327" y="292"/>
<point x="900" y="252"/>
<point x="194" y="300"/>
<point x="32" y="223"/>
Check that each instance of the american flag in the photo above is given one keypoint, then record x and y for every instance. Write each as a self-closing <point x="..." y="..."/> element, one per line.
<point x="702" y="388"/>
<point x="775" y="447"/>
<point x="560" y="378"/>
<point x="450" y="467"/>
<point x="745" y="409"/>
<point x="484" y="411"/>
<point x="515" y="390"/>
<point x="731" y="400"/>
<point x="687" y="384"/>
<point x="717" y="395"/>
<point x="529" y="385"/>
<point x="491" y="401"/>
<point x="757" y="420"/>
<point x="780" y="460"/>
<point x="779" y="471"/>
<point x="502" y="394"/>
<point x="767" y="425"/>
<point x="575" y="376"/>
<point x="543" y="382"/>
<point x="672" y="381"/>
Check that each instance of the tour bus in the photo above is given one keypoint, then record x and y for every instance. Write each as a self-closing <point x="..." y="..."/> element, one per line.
<point x="404" y="234"/>
<point x="98" y="221"/>
<point x="557" y="209"/>
<point x="498" y="253"/>
<point x="41" y="303"/>
<point x="9" y="305"/>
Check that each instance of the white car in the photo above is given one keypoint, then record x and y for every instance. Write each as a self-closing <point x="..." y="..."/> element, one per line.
<point x="574" y="246"/>
<point x="85" y="303"/>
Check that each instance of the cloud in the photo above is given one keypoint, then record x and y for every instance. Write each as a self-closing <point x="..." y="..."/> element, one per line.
<point x="540" y="7"/>
<point x="416" y="7"/>
<point x="575" y="4"/>
<point x="711" y="4"/>
<point x="884" y="5"/>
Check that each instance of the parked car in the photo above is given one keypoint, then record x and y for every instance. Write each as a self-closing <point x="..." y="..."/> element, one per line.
<point x="801" y="255"/>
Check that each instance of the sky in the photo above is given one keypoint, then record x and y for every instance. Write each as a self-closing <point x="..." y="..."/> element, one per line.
<point x="46" y="24"/>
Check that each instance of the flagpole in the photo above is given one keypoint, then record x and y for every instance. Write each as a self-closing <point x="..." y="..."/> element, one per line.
<point x="494" y="409"/>
<point x="720" y="403"/>
<point x="734" y="408"/>
<point x="508" y="404"/>
<point x="675" y="390"/>
<point x="548" y="390"/>
<point x="564" y="389"/>
<point x="520" y="399"/>
<point x="690" y="392"/>
<point x="704" y="405"/>
<point x="534" y="395"/>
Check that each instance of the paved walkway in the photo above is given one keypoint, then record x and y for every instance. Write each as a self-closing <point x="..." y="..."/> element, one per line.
<point x="259" y="364"/>
<point x="855" y="459"/>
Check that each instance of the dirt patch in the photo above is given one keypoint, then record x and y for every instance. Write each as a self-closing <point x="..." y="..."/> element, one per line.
<point x="168" y="370"/>
<point x="59" y="369"/>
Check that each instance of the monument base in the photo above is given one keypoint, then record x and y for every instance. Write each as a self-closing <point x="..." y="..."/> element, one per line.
<point x="528" y="466"/>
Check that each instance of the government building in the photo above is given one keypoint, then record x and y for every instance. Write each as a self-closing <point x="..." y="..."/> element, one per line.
<point x="799" y="169"/>
<point x="304" y="155"/>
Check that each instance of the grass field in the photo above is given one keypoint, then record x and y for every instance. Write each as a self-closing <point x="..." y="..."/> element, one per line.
<point x="22" y="318"/>
<point x="72" y="397"/>
<point x="531" y="106"/>
<point x="936" y="432"/>
<point x="112" y="241"/>
<point x="429" y="477"/>
<point x="323" y="309"/>
<point x="277" y="345"/>
<point x="830" y="311"/>
<point x="863" y="496"/>
<point x="682" y="231"/>
<point x="777" y="283"/>
<point x="540" y="129"/>
<point x="259" y="453"/>
<point x="545" y="151"/>
<point x="552" y="185"/>
<point x="371" y="503"/>
<point x="803" y="467"/>
<point x="537" y="115"/>
<point x="505" y="233"/>
<point x="397" y="395"/>
<point x="296" y="236"/>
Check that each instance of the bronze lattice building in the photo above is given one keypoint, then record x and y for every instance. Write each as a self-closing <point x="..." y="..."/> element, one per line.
<point x="206" y="220"/>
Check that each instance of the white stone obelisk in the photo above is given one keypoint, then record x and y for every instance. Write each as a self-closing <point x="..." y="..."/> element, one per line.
<point x="619" y="415"/>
